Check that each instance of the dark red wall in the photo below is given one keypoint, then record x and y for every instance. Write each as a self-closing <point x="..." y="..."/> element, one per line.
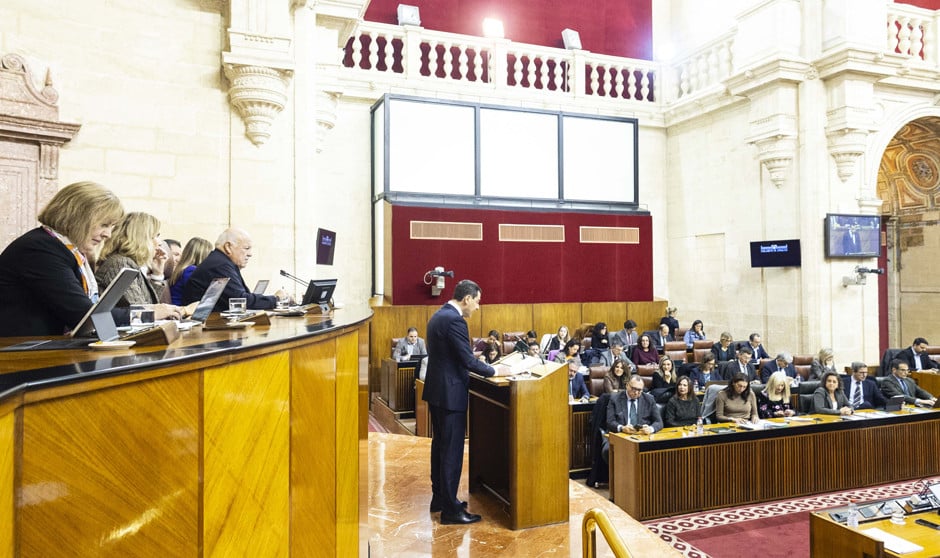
<point x="615" y="27"/>
<point x="522" y="272"/>
<point x="929" y="4"/>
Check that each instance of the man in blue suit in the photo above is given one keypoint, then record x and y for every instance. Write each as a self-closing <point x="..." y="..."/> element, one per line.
<point x="862" y="391"/>
<point x="446" y="389"/>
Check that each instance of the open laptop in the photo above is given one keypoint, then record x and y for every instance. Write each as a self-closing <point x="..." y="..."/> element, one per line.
<point x="206" y="303"/>
<point x="260" y="286"/>
<point x="895" y="403"/>
<point x="97" y="323"/>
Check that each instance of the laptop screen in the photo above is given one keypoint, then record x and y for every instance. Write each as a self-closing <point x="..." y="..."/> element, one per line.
<point x="209" y="298"/>
<point x="94" y="321"/>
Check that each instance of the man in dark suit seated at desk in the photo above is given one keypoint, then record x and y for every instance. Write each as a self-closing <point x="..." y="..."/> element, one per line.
<point x="632" y="412"/>
<point x="862" y="391"/>
<point x="742" y="364"/>
<point x="898" y="383"/>
<point x="231" y="255"/>
<point x="917" y="358"/>
<point x="783" y="362"/>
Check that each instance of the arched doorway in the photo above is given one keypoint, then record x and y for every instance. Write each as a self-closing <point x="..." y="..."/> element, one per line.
<point x="909" y="185"/>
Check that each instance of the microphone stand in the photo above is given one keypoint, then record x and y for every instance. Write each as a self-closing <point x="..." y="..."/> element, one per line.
<point x="294" y="278"/>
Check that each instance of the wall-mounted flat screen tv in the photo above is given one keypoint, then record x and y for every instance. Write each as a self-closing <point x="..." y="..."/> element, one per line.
<point x="776" y="253"/>
<point x="853" y="236"/>
<point x="326" y="245"/>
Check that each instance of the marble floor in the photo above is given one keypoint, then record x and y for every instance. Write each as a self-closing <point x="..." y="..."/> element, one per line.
<point x="401" y="525"/>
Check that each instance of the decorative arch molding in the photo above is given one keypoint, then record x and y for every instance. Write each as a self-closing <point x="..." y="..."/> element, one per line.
<point x="30" y="137"/>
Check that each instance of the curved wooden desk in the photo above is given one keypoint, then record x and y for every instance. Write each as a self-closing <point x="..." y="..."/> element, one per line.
<point x="225" y="443"/>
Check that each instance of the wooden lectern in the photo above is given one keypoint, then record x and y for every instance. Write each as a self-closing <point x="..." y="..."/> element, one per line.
<point x="519" y="443"/>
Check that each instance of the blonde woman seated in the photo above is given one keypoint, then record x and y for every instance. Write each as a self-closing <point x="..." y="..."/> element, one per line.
<point x="664" y="380"/>
<point x="616" y="378"/>
<point x="774" y="401"/>
<point x="134" y="244"/>
<point x="557" y="342"/>
<point x="736" y="403"/>
<point x="829" y="398"/>
<point x="822" y="363"/>
<point x="682" y="409"/>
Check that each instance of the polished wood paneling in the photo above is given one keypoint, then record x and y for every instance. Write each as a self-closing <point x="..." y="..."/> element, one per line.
<point x="422" y="415"/>
<point x="518" y="431"/>
<point x="113" y="472"/>
<point x="347" y="445"/>
<point x="362" y="336"/>
<point x="7" y="449"/>
<point x="580" y="436"/>
<point x="398" y="385"/>
<point x="646" y="314"/>
<point x="392" y="322"/>
<point x="611" y="313"/>
<point x="246" y="457"/>
<point x="547" y="318"/>
<point x="928" y="381"/>
<point x="828" y="538"/>
<point x="641" y="470"/>
<point x="506" y="317"/>
<point x="314" y="440"/>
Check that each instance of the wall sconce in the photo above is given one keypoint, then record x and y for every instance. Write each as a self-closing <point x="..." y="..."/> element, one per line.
<point x="408" y="15"/>
<point x="571" y="38"/>
<point x="493" y="28"/>
<point x="435" y="278"/>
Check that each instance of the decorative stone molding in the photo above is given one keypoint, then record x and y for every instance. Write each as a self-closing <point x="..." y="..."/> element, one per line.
<point x="776" y="153"/>
<point x="326" y="115"/>
<point x="258" y="93"/>
<point x="846" y="145"/>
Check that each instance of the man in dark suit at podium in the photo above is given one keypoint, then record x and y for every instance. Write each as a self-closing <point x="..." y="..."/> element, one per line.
<point x="446" y="389"/>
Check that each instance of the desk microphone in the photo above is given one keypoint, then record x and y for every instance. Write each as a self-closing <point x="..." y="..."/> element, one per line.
<point x="294" y="278"/>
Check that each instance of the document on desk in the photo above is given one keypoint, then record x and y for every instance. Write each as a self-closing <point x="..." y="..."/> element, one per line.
<point x="892" y="542"/>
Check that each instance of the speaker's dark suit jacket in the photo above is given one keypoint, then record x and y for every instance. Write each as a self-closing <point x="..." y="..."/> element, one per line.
<point x="926" y="363"/>
<point x="41" y="289"/>
<point x="732" y="367"/>
<point x="871" y="395"/>
<point x="446" y="384"/>
<point x="217" y="264"/>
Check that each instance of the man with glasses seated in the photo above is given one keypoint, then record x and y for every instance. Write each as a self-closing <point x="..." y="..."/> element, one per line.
<point x="862" y="391"/>
<point x="899" y="384"/>
<point x="632" y="412"/>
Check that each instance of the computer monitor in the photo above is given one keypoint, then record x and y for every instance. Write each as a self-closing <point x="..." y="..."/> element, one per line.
<point x="326" y="245"/>
<point x="320" y="292"/>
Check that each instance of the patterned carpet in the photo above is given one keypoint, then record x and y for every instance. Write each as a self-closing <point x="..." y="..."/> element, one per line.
<point x="762" y="516"/>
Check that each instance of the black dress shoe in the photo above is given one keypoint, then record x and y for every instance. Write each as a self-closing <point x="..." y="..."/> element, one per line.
<point x="461" y="518"/>
<point x="435" y="507"/>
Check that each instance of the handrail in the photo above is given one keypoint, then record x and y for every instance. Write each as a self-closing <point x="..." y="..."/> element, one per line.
<point x="596" y="517"/>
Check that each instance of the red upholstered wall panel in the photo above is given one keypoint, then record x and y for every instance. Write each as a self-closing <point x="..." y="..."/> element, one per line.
<point x="522" y="272"/>
<point x="928" y="4"/>
<point x="615" y="27"/>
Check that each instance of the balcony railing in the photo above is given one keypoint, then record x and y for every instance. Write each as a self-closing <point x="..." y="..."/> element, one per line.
<point x="912" y="32"/>
<point x="414" y="53"/>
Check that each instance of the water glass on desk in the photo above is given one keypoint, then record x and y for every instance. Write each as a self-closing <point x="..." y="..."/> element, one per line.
<point x="237" y="305"/>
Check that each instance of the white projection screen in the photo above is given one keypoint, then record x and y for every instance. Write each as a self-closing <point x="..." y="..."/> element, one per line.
<point x="518" y="154"/>
<point x="431" y="148"/>
<point x="437" y="149"/>
<point x="599" y="159"/>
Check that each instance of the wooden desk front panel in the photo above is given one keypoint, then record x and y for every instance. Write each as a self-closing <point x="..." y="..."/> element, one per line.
<point x="646" y="484"/>
<point x="7" y="437"/>
<point x="113" y="472"/>
<point x="829" y="538"/>
<point x="928" y="381"/>
<point x="581" y="435"/>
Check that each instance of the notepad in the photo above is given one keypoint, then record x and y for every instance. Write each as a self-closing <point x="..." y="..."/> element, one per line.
<point x="892" y="542"/>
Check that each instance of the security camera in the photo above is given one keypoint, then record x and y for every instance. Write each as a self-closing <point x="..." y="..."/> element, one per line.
<point x="862" y="270"/>
<point x="435" y="278"/>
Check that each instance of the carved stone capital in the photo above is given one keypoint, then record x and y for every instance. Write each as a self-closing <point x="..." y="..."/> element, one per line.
<point x="846" y="146"/>
<point x="258" y="93"/>
<point x="776" y="153"/>
<point x="326" y="115"/>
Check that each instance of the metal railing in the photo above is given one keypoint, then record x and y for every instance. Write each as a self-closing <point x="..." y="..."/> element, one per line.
<point x="596" y="518"/>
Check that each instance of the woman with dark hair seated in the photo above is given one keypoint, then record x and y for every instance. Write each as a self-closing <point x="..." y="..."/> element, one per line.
<point x="664" y="380"/>
<point x="599" y="339"/>
<point x="523" y="343"/>
<point x="695" y="333"/>
<point x="670" y="320"/>
<point x="616" y="378"/>
<point x="736" y="403"/>
<point x="490" y="353"/>
<point x="570" y="354"/>
<point x="682" y="409"/>
<point x="829" y="398"/>
<point x="645" y="352"/>
<point x="774" y="401"/>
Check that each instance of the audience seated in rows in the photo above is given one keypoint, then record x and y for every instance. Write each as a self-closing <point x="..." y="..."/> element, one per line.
<point x="557" y="342"/>
<point x="490" y="353"/>
<point x="522" y="344"/>
<point x="632" y="411"/>
<point x="599" y="339"/>
<point x="616" y="353"/>
<point x="774" y="400"/>
<point x="577" y="389"/>
<point x="661" y="337"/>
<point x="683" y="408"/>
<point x="616" y="377"/>
<point x="570" y="354"/>
<point x="705" y="372"/>
<point x="493" y="337"/>
<point x="757" y="350"/>
<point x="645" y="352"/>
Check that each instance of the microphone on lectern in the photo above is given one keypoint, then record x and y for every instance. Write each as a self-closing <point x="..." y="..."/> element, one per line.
<point x="295" y="278"/>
